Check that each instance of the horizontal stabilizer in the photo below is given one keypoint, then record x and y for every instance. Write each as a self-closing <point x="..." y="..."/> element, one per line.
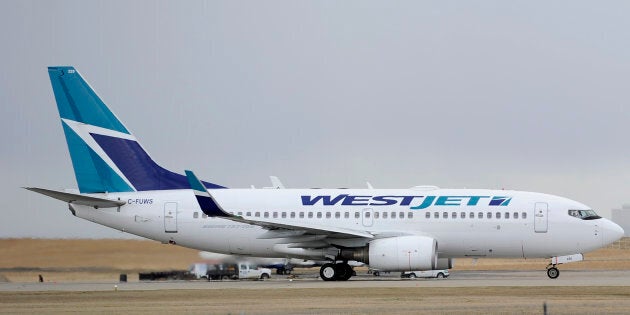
<point x="78" y="199"/>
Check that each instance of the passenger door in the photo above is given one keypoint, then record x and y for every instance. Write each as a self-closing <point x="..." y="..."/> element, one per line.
<point x="540" y="217"/>
<point x="170" y="217"/>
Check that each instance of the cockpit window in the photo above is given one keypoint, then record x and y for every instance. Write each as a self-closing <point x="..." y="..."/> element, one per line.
<point x="584" y="214"/>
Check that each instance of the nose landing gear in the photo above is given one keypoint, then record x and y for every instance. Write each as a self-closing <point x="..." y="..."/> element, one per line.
<point x="552" y="271"/>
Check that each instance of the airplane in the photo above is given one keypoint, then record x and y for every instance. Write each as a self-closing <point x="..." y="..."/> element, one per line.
<point x="418" y="228"/>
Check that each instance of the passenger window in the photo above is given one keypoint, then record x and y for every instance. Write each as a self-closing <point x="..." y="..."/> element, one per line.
<point x="463" y="215"/>
<point x="357" y="215"/>
<point x="409" y="215"/>
<point x="301" y="215"/>
<point x="292" y="215"/>
<point x="376" y="214"/>
<point x="337" y="215"/>
<point x="240" y="214"/>
<point x="319" y="215"/>
<point x="257" y="214"/>
<point x="284" y="215"/>
<point x="489" y="215"/>
<point x="393" y="215"/>
<point x="507" y="215"/>
<point x="384" y="215"/>
<point x="266" y="214"/>
<point x="401" y="215"/>
<point x="427" y="215"/>
<point x="275" y="214"/>
<point x="249" y="213"/>
<point x="480" y="215"/>
<point x="346" y="215"/>
<point x="515" y="215"/>
<point x="367" y="214"/>
<point x="524" y="215"/>
<point x="310" y="215"/>
<point x="328" y="215"/>
<point x="436" y="215"/>
<point x="498" y="215"/>
<point x="195" y="214"/>
<point x="444" y="215"/>
<point x="454" y="215"/>
<point x="471" y="215"/>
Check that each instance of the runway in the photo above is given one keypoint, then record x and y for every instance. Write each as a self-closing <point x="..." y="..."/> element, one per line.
<point x="465" y="292"/>
<point x="458" y="279"/>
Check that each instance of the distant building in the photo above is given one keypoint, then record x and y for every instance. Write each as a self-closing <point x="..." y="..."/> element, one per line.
<point x="622" y="217"/>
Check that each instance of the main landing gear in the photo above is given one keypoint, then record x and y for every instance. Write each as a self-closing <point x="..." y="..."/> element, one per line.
<point x="336" y="271"/>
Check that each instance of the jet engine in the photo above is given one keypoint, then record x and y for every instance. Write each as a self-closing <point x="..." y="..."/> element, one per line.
<point x="400" y="253"/>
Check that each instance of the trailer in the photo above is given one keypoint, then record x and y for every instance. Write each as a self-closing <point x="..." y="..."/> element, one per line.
<point x="166" y="275"/>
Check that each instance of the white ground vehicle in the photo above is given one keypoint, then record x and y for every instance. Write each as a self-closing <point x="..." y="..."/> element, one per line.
<point x="228" y="271"/>
<point x="236" y="271"/>
<point x="425" y="274"/>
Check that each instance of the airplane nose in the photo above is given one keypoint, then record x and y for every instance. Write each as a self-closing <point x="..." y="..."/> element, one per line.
<point x="612" y="232"/>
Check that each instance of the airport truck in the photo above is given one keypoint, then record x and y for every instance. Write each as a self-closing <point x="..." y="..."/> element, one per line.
<point x="236" y="271"/>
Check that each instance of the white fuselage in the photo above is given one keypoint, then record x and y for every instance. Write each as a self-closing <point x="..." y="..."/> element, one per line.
<point x="462" y="222"/>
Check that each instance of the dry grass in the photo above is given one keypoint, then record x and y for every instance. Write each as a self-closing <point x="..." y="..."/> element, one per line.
<point x="121" y="255"/>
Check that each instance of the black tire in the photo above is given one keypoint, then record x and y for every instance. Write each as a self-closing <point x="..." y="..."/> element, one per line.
<point x="440" y="275"/>
<point x="377" y="274"/>
<point x="553" y="273"/>
<point x="264" y="276"/>
<point x="327" y="272"/>
<point x="412" y="276"/>
<point x="226" y="277"/>
<point x="343" y="271"/>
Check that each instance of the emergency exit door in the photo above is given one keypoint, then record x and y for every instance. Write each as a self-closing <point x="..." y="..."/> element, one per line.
<point x="170" y="217"/>
<point x="540" y="217"/>
<point x="367" y="217"/>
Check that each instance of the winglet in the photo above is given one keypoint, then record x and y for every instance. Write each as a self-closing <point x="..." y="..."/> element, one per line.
<point x="276" y="183"/>
<point x="208" y="205"/>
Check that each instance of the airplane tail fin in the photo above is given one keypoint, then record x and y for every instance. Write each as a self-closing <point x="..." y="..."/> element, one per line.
<point x="106" y="157"/>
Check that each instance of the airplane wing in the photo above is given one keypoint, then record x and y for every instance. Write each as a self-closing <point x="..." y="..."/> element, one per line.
<point x="210" y="207"/>
<point x="78" y="199"/>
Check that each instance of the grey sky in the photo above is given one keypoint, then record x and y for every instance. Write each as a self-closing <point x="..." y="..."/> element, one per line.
<point x="529" y="95"/>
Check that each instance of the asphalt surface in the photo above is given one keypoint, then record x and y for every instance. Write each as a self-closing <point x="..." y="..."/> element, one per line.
<point x="310" y="280"/>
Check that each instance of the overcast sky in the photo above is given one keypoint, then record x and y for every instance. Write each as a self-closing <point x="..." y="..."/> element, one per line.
<point x="526" y="95"/>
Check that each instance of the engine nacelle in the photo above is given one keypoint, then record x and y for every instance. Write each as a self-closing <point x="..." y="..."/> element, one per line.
<point x="444" y="263"/>
<point x="403" y="253"/>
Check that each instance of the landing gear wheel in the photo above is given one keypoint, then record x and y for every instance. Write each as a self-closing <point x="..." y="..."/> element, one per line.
<point x="553" y="272"/>
<point x="328" y="272"/>
<point x="343" y="271"/>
